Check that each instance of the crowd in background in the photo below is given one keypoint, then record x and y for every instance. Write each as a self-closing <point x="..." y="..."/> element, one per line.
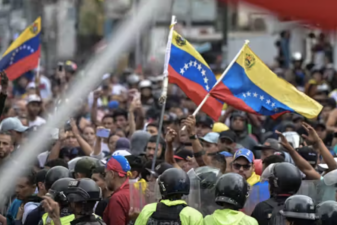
<point x="120" y="119"/>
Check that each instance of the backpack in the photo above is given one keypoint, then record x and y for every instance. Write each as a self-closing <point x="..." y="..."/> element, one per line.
<point x="276" y="218"/>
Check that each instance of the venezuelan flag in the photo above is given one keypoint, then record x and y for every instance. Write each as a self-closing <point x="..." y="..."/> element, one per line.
<point x="23" y="54"/>
<point x="251" y="86"/>
<point x="192" y="74"/>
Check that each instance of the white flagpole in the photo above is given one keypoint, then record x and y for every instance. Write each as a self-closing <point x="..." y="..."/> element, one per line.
<point x="218" y="81"/>
<point x="37" y="77"/>
<point x="163" y="97"/>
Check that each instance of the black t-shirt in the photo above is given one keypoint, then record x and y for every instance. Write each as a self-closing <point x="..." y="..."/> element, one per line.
<point x="101" y="207"/>
<point x="34" y="217"/>
<point x="263" y="211"/>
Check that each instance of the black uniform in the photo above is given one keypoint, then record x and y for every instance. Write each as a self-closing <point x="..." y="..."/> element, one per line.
<point x="299" y="209"/>
<point x="285" y="180"/>
<point x="327" y="212"/>
<point x="84" y="193"/>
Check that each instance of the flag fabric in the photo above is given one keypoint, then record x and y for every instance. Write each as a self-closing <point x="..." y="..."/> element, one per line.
<point x="192" y="74"/>
<point x="320" y="13"/>
<point x="23" y="54"/>
<point x="251" y="86"/>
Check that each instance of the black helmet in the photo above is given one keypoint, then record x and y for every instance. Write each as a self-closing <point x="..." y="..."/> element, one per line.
<point x="83" y="190"/>
<point x="284" y="178"/>
<point x="174" y="181"/>
<point x="86" y="165"/>
<point x="207" y="176"/>
<point x="233" y="189"/>
<point x="327" y="212"/>
<point x="299" y="207"/>
<point x="54" y="174"/>
<point x="58" y="188"/>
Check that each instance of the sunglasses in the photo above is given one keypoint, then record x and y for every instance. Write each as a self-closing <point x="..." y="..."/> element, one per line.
<point x="238" y="166"/>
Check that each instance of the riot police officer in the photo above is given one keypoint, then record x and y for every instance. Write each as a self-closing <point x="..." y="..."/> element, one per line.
<point x="85" y="166"/>
<point x="284" y="181"/>
<point x="56" y="192"/>
<point x="53" y="174"/>
<point x="299" y="210"/>
<point x="173" y="185"/>
<point x="82" y="196"/>
<point x="327" y="212"/>
<point x="231" y="193"/>
<point x="207" y="177"/>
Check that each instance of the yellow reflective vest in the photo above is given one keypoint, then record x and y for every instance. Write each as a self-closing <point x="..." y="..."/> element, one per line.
<point x="64" y="220"/>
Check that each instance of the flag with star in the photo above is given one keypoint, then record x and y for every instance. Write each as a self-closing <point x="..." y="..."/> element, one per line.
<point x="191" y="73"/>
<point x="250" y="86"/>
<point x="24" y="53"/>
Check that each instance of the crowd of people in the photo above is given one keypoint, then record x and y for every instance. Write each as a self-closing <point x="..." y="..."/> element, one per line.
<point x="242" y="169"/>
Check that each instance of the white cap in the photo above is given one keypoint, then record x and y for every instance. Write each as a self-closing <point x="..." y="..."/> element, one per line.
<point x="106" y="76"/>
<point x="325" y="166"/>
<point x="33" y="98"/>
<point x="31" y="85"/>
<point x="121" y="152"/>
<point x="145" y="84"/>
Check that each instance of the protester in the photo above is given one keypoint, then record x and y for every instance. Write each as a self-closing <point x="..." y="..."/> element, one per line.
<point x="117" y="174"/>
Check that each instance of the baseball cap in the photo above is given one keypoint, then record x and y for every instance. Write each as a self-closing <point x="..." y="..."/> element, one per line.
<point x="226" y="154"/>
<point x="309" y="154"/>
<point x="211" y="137"/>
<point x="246" y="153"/>
<point x="113" y="104"/>
<point x="121" y="152"/>
<point x="123" y="144"/>
<point x="270" y="143"/>
<point x="228" y="134"/>
<point x="160" y="169"/>
<point x="12" y="123"/>
<point x="183" y="154"/>
<point x="321" y="125"/>
<point x="205" y="120"/>
<point x="33" y="98"/>
<point x="119" y="164"/>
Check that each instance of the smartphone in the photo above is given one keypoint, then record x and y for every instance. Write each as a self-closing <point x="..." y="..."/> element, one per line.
<point x="54" y="133"/>
<point x="60" y="66"/>
<point x="103" y="133"/>
<point x="67" y="126"/>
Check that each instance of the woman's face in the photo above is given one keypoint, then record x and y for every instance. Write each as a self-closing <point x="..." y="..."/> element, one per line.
<point x="89" y="135"/>
<point x="112" y="143"/>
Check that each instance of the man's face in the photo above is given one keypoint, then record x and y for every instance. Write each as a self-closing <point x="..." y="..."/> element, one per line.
<point x="203" y="129"/>
<point x="99" y="180"/>
<point x="321" y="132"/>
<point x="225" y="144"/>
<point x="152" y="130"/>
<point x="183" y="136"/>
<point x="24" y="189"/>
<point x="108" y="123"/>
<point x="242" y="167"/>
<point x="266" y="153"/>
<point x="34" y="108"/>
<point x="209" y="147"/>
<point x="6" y="146"/>
<point x="238" y="123"/>
<point x="121" y="122"/>
<point x="325" y="112"/>
<point x="150" y="150"/>
<point x="109" y="179"/>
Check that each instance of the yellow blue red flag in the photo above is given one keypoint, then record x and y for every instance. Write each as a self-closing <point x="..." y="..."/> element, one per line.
<point x="251" y="86"/>
<point x="24" y="53"/>
<point x="192" y="74"/>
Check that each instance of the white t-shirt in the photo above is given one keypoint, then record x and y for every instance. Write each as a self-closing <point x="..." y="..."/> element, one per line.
<point x="37" y="122"/>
